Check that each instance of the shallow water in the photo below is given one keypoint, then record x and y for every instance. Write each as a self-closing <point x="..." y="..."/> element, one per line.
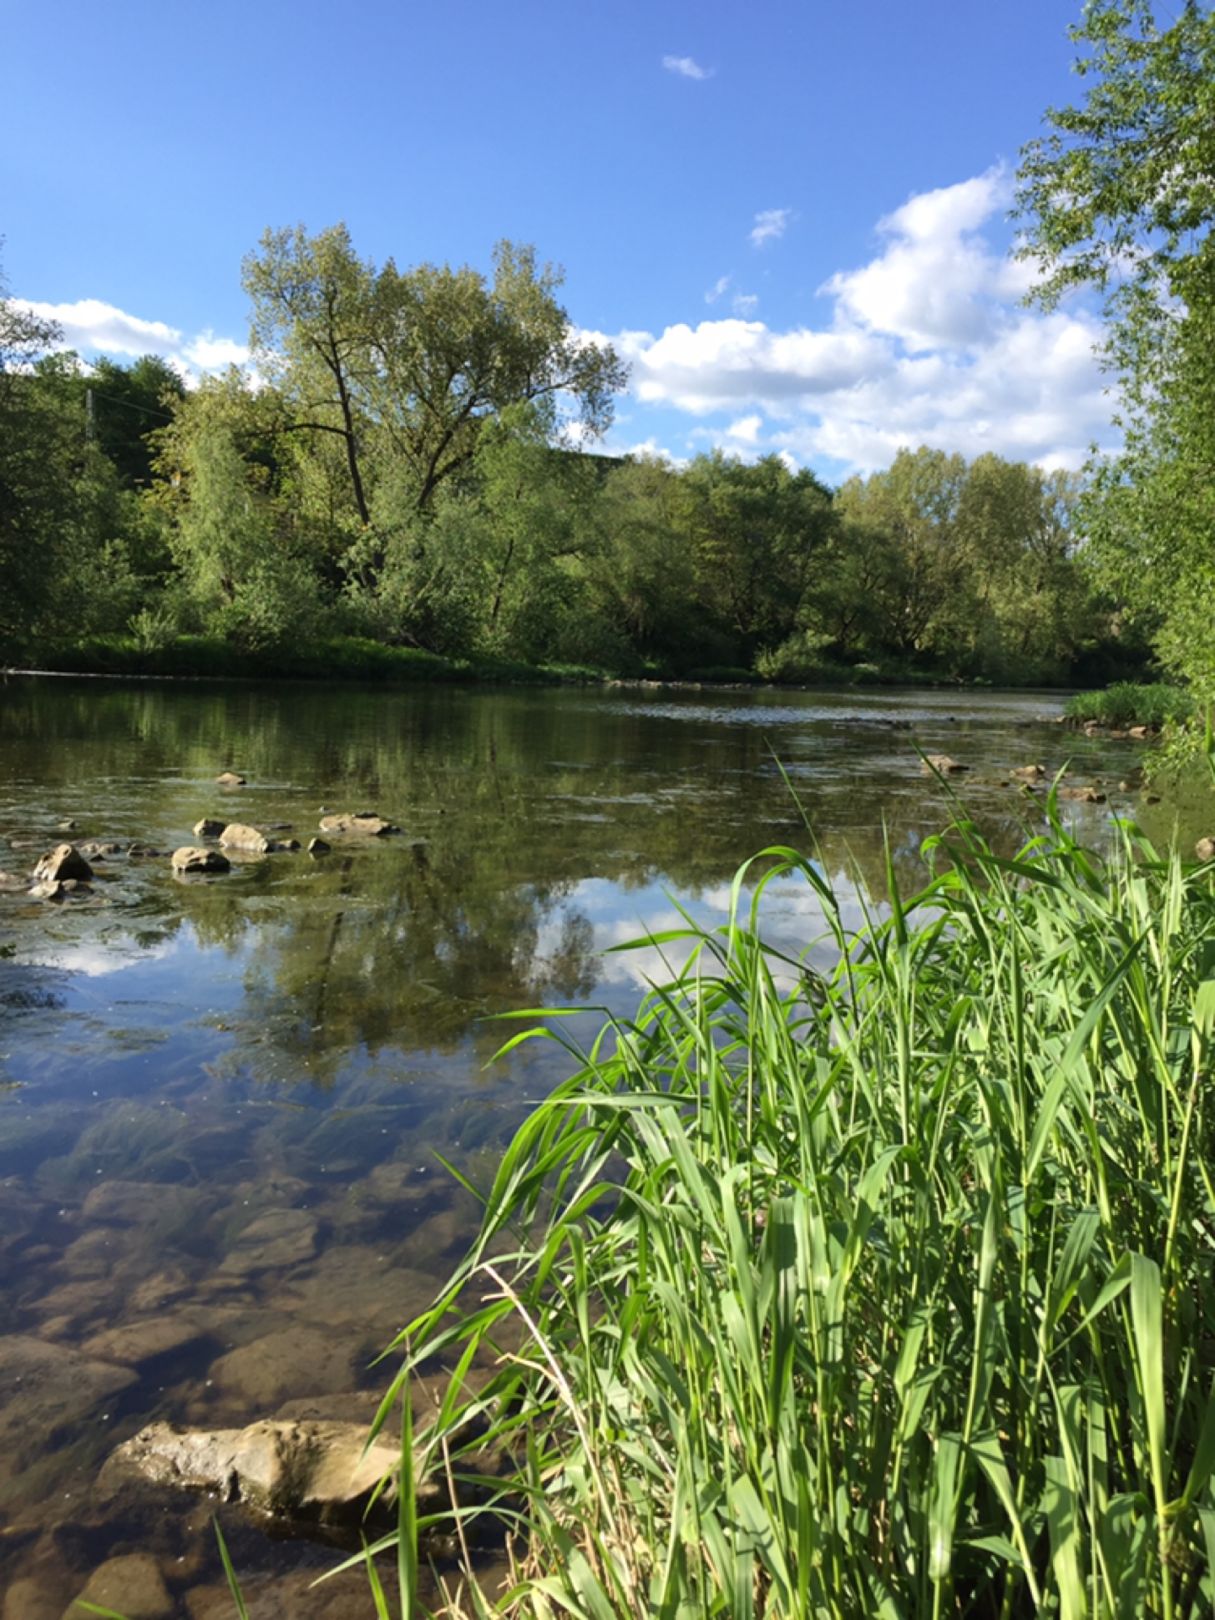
<point x="221" y="1099"/>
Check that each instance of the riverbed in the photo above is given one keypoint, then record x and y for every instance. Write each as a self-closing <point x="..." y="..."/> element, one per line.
<point x="223" y="1099"/>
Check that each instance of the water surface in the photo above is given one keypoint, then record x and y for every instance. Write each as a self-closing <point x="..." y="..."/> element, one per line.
<point x="221" y="1099"/>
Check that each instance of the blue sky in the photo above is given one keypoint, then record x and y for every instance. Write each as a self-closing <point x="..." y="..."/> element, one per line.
<point x="791" y="217"/>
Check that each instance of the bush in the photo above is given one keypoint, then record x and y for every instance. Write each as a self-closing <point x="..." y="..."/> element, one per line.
<point x="1127" y="703"/>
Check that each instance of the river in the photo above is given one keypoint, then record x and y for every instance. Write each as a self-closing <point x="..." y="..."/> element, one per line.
<point x="222" y="1099"/>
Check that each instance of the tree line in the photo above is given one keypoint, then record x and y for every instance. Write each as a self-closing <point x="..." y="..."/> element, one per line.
<point x="397" y="464"/>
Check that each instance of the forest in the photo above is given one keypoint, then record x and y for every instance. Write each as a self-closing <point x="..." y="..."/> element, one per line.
<point x="405" y="467"/>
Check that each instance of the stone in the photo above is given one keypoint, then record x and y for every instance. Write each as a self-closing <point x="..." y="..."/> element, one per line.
<point x="143" y="851"/>
<point x="1029" y="773"/>
<point x="236" y="835"/>
<point x="271" y="1242"/>
<point x="1140" y="733"/>
<point x="941" y="764"/>
<point x="230" y="779"/>
<point x="159" y="1204"/>
<point x="208" y="827"/>
<point x="301" y="1469"/>
<point x="288" y="1363"/>
<point x="37" y="1597"/>
<point x="65" y="826"/>
<point x="318" y="846"/>
<point x="48" y="1387"/>
<point x="192" y="858"/>
<point x="1205" y="849"/>
<point x="135" y="1343"/>
<point x="49" y="891"/>
<point x="64" y="861"/>
<point x="1083" y="795"/>
<point x="131" y="1585"/>
<point x="361" y="821"/>
<point x="97" y="849"/>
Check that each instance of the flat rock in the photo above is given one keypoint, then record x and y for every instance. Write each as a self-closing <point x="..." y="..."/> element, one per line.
<point x="942" y="764"/>
<point x="280" y="1366"/>
<point x="360" y="821"/>
<point x="192" y="858"/>
<point x="64" y="861"/>
<point x="131" y="1585"/>
<point x="230" y="779"/>
<point x="302" y="1469"/>
<point x="208" y="827"/>
<point x="236" y="835"/>
<point x="135" y="1343"/>
<point x="47" y="1387"/>
<point x="274" y="1241"/>
<point x="115" y="1202"/>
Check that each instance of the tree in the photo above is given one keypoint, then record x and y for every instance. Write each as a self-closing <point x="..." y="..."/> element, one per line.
<point x="128" y="404"/>
<point x="1120" y="197"/>
<point x="404" y="368"/>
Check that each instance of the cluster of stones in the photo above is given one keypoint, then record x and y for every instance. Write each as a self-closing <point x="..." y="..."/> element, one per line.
<point x="249" y="840"/>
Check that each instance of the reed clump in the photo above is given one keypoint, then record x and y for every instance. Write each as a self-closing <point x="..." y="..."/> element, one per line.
<point x="884" y="1292"/>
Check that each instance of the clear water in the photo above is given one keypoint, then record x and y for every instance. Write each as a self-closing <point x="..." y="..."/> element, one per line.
<point x="221" y="1099"/>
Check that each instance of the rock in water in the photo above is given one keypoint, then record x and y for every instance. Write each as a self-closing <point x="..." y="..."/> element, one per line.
<point x="1205" y="849"/>
<point x="1082" y="795"/>
<point x="131" y="1585"/>
<point x="1029" y="773"/>
<point x="230" y="779"/>
<point x="64" y="861"/>
<point x="362" y="821"/>
<point x="236" y="835"/>
<point x="208" y="827"/>
<point x="308" y="1470"/>
<point x="943" y="764"/>
<point x="192" y="859"/>
<point x="318" y="846"/>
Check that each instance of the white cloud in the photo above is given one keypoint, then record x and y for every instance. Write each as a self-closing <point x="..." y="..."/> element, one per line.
<point x="744" y="303"/>
<point x="770" y="225"/>
<point x="687" y="67"/>
<point x="927" y="343"/>
<point x="93" y="327"/>
<point x="717" y="289"/>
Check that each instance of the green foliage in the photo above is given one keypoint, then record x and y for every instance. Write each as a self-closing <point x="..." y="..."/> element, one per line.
<point x="878" y="1292"/>
<point x="1119" y="197"/>
<point x="1127" y="704"/>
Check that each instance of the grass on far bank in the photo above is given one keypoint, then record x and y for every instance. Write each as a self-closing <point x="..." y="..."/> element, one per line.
<point x="884" y="1292"/>
<point x="1127" y="703"/>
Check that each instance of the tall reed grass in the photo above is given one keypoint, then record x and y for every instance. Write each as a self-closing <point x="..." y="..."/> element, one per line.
<point x="889" y="1292"/>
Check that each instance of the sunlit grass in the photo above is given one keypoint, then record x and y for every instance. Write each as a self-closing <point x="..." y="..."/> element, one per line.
<point x="881" y="1294"/>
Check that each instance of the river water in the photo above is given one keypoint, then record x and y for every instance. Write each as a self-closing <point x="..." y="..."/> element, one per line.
<point x="221" y="1099"/>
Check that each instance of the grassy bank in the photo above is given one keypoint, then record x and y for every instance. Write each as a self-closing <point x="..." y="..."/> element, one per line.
<point x="884" y="1293"/>
<point x="1127" y="703"/>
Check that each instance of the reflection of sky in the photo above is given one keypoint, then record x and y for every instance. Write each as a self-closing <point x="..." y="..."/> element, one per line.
<point x="792" y="920"/>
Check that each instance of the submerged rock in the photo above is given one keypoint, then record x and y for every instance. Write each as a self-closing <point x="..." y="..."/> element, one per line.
<point x="131" y="1585"/>
<point x="361" y="821"/>
<point x="272" y="1242"/>
<point x="64" y="861"/>
<point x="208" y="827"/>
<point x="190" y="858"/>
<point x="48" y="1388"/>
<point x="309" y="1470"/>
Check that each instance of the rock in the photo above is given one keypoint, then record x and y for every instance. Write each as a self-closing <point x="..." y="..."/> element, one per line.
<point x="1140" y="733"/>
<point x="287" y="846"/>
<point x="941" y="764"/>
<point x="143" y="851"/>
<point x="65" y="826"/>
<point x="230" y="779"/>
<point x="48" y="891"/>
<point x="306" y="1470"/>
<point x="97" y="849"/>
<point x="191" y="858"/>
<point x="236" y="835"/>
<point x="1082" y="795"/>
<point x="1205" y="849"/>
<point x="135" y="1343"/>
<point x="362" y="821"/>
<point x="64" y="861"/>
<point x="1028" y="773"/>
<point x="46" y="1388"/>
<point x="131" y="1585"/>
<point x="272" y="1242"/>
<point x="159" y="1204"/>
<point x="318" y="846"/>
<point x="208" y="827"/>
<point x="292" y="1362"/>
